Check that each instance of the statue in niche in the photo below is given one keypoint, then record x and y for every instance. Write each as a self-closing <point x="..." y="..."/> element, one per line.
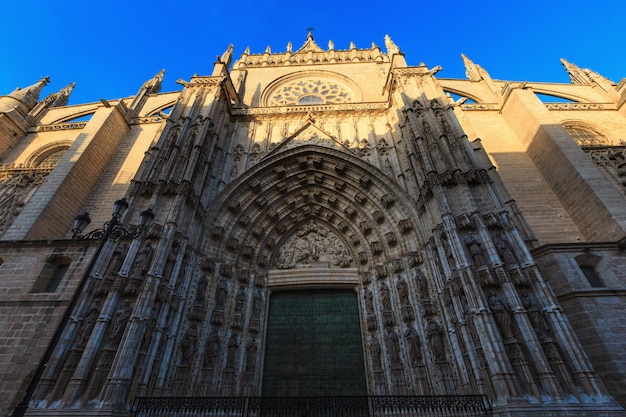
<point x="202" y="284"/>
<point x="504" y="249"/>
<point x="188" y="345"/>
<point x="212" y="350"/>
<point x="239" y="300"/>
<point x="501" y="313"/>
<point x="369" y="301"/>
<point x="393" y="348"/>
<point x="388" y="168"/>
<point x="142" y="261"/>
<point x="256" y="304"/>
<point x="415" y="346"/>
<point x="220" y="296"/>
<point x="422" y="284"/>
<point x="88" y="324"/>
<point x="385" y="297"/>
<point x="475" y="251"/>
<point x="376" y="352"/>
<point x="403" y="292"/>
<point x="535" y="315"/>
<point x="233" y="346"/>
<point x="170" y="262"/>
<point x="435" y="340"/>
<point x="118" y="323"/>
<point x="251" y="350"/>
<point x="117" y="259"/>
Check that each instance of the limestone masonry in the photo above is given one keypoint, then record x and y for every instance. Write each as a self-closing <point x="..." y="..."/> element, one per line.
<point x="406" y="234"/>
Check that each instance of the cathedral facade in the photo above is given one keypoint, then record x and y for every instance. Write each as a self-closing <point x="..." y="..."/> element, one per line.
<point x="327" y="222"/>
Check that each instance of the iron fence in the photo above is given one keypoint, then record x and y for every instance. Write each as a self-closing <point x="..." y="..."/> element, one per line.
<point x="365" y="406"/>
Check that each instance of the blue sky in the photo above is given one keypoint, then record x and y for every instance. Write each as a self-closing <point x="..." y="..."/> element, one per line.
<point x="110" y="48"/>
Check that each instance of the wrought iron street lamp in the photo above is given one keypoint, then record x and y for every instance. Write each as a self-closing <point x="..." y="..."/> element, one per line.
<point x="113" y="230"/>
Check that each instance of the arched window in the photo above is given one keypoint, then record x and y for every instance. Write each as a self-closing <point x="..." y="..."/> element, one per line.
<point x="585" y="135"/>
<point x="587" y="264"/>
<point x="51" y="274"/>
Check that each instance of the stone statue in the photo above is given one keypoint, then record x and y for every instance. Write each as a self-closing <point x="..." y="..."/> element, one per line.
<point x="256" y="304"/>
<point x="117" y="259"/>
<point x="415" y="346"/>
<point x="170" y="262"/>
<point x="220" y="296"/>
<point x="385" y="297"/>
<point x="142" y="261"/>
<point x="88" y="324"/>
<point x="403" y="292"/>
<point x="534" y="314"/>
<point x="369" y="301"/>
<point x="422" y="285"/>
<point x="435" y="340"/>
<point x="376" y="352"/>
<point x="504" y="249"/>
<point x="475" y="251"/>
<point x="239" y="300"/>
<point x="202" y="284"/>
<point x="393" y="348"/>
<point x="118" y="323"/>
<point x="212" y="350"/>
<point x="501" y="314"/>
<point x="188" y="345"/>
<point x="233" y="346"/>
<point x="251" y="350"/>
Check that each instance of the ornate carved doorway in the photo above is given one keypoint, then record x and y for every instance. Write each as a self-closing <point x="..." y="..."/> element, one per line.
<point x="313" y="344"/>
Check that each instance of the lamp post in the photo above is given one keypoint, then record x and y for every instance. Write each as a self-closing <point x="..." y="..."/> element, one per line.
<point x="113" y="230"/>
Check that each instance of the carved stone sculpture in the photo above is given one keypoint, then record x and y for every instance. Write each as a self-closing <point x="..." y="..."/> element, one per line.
<point x="212" y="350"/>
<point x="188" y="345"/>
<point x="435" y="340"/>
<point x="118" y="324"/>
<point x="313" y="245"/>
<point x="414" y="344"/>
<point x="535" y="315"/>
<point x="376" y="354"/>
<point x="504" y="249"/>
<point x="393" y="348"/>
<point x="501" y="314"/>
<point x="475" y="251"/>
<point x="233" y="347"/>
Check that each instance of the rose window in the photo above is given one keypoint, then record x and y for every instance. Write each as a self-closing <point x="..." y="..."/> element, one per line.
<point x="310" y="92"/>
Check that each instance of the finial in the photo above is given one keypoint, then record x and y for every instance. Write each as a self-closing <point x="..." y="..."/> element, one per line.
<point x="247" y="50"/>
<point x="352" y="45"/>
<point x="392" y="48"/>
<point x="268" y="50"/>
<point x="331" y="45"/>
<point x="289" y="47"/>
<point x="227" y="56"/>
<point x="310" y="34"/>
<point x="472" y="71"/>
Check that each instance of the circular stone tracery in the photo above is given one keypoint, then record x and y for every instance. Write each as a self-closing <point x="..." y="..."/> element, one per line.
<point x="310" y="91"/>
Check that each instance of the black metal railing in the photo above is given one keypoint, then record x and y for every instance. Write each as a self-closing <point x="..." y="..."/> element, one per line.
<point x="365" y="406"/>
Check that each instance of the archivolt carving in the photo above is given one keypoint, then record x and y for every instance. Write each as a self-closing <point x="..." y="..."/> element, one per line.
<point x="313" y="245"/>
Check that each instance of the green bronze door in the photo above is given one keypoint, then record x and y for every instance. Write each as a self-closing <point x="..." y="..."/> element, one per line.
<point x="313" y="345"/>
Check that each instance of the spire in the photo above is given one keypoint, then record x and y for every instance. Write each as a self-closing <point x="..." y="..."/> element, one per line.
<point x="576" y="74"/>
<point x="472" y="71"/>
<point x="57" y="99"/>
<point x="30" y="94"/>
<point x="392" y="48"/>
